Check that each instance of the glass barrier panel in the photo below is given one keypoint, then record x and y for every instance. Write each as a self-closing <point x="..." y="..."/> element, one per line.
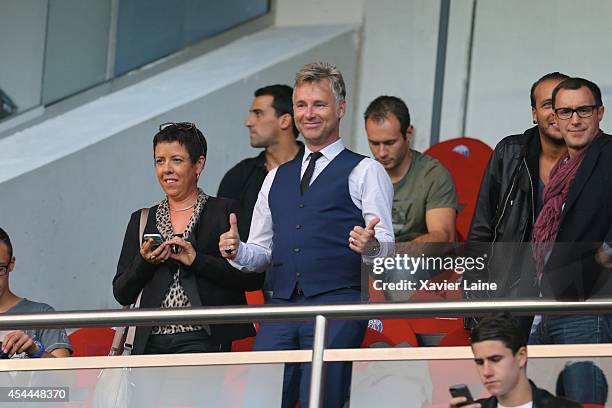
<point x="254" y="385"/>
<point x="425" y="383"/>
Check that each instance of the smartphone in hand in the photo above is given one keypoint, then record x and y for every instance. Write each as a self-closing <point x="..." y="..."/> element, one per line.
<point x="461" y="390"/>
<point x="156" y="238"/>
<point x="3" y="355"/>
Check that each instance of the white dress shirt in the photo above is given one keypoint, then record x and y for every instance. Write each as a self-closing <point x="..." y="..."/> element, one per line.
<point x="370" y="189"/>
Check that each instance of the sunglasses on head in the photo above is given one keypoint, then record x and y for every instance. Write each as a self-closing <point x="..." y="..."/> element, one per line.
<point x="178" y="125"/>
<point x="184" y="126"/>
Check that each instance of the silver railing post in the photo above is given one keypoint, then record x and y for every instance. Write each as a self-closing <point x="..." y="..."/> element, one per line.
<point x="317" y="374"/>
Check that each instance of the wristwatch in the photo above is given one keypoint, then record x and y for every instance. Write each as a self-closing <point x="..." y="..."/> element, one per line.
<point x="41" y="350"/>
<point x="372" y="248"/>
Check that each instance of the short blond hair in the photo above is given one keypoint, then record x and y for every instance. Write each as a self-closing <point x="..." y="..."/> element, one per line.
<point x="320" y="71"/>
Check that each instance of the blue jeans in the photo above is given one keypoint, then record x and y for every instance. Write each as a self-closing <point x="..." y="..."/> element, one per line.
<point x="582" y="381"/>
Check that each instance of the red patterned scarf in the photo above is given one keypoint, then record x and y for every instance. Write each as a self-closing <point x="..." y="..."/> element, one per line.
<point x="555" y="195"/>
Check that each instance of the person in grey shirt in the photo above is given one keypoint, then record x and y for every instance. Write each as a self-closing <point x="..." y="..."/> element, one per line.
<point x="33" y="343"/>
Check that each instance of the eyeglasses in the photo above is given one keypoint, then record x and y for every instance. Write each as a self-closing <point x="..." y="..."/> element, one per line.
<point x="185" y="126"/>
<point x="4" y="269"/>
<point x="582" y="112"/>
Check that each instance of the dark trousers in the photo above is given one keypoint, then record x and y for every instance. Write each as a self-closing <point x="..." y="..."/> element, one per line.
<point x="178" y="343"/>
<point x="299" y="336"/>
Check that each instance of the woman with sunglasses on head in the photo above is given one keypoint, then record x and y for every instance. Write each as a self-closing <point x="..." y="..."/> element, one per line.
<point x="178" y="264"/>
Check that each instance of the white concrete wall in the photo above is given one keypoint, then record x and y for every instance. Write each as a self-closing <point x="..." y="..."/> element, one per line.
<point x="299" y="12"/>
<point x="399" y="40"/>
<point x="68" y="185"/>
<point x="398" y="57"/>
<point x="516" y="42"/>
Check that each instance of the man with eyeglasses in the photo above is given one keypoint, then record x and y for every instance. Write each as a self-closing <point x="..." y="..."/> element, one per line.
<point x="510" y="199"/>
<point x="573" y="233"/>
<point x="34" y="343"/>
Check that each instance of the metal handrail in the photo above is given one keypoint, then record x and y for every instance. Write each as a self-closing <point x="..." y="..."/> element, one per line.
<point x="144" y="317"/>
<point x="222" y="315"/>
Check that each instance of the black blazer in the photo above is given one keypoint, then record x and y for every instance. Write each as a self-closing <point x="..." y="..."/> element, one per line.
<point x="209" y="281"/>
<point x="571" y="272"/>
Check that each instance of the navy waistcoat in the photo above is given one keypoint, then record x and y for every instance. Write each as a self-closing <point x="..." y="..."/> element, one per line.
<point x="310" y="243"/>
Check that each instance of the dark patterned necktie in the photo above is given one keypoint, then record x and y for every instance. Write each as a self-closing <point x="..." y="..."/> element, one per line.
<point x="314" y="156"/>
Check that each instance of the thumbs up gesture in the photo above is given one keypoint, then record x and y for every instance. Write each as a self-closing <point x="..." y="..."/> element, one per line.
<point x="230" y="240"/>
<point x="359" y="237"/>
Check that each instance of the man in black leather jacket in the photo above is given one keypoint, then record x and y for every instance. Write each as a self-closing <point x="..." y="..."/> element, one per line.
<point x="500" y="353"/>
<point x="510" y="198"/>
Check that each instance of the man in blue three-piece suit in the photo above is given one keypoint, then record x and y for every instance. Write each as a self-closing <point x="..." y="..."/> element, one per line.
<point x="312" y="221"/>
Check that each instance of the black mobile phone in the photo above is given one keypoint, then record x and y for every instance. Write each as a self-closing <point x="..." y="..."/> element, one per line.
<point x="156" y="238"/>
<point x="461" y="390"/>
<point x="3" y="355"/>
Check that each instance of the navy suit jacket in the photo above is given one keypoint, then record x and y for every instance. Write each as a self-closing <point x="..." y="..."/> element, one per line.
<point x="571" y="272"/>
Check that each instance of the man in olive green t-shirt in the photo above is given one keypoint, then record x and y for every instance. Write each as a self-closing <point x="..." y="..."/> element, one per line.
<point x="424" y="197"/>
<point x="424" y="200"/>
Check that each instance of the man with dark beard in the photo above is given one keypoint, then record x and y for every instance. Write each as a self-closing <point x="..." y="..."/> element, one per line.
<point x="271" y="127"/>
<point x="270" y="124"/>
<point x="510" y="200"/>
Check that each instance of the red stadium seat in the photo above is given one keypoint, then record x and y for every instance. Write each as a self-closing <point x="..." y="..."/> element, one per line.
<point x="88" y="342"/>
<point x="429" y="329"/>
<point x="255" y="297"/>
<point x="466" y="159"/>
<point x="245" y="344"/>
<point x="457" y="337"/>
<point x="390" y="332"/>
<point x="91" y="341"/>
